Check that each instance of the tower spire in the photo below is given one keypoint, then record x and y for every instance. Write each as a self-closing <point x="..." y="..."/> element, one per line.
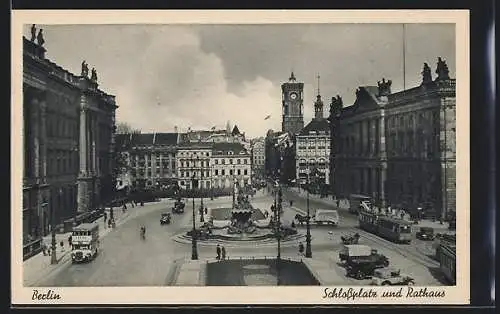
<point x="292" y="77"/>
<point x="318" y="77"/>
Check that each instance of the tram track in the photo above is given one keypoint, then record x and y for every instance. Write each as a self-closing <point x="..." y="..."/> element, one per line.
<point x="413" y="256"/>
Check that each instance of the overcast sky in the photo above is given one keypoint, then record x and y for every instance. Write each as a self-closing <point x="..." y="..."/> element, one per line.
<point x="202" y="76"/>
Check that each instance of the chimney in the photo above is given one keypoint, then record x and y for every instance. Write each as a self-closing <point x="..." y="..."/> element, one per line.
<point x="176" y="129"/>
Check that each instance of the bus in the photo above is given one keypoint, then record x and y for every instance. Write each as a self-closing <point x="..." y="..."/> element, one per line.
<point x="394" y="229"/>
<point x="355" y="202"/>
<point x="447" y="257"/>
<point x="85" y="242"/>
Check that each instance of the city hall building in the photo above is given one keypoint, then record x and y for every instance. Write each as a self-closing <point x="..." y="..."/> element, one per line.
<point x="399" y="148"/>
<point x="68" y="141"/>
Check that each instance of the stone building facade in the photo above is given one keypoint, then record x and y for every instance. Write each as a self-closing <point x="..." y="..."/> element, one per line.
<point x="399" y="148"/>
<point x="313" y="147"/>
<point x="68" y="136"/>
<point x="193" y="160"/>
<point x="258" y="153"/>
<point x="230" y="162"/>
<point x="149" y="158"/>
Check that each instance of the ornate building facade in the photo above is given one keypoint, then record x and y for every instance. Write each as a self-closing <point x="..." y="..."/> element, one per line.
<point x="258" y="153"/>
<point x="68" y="139"/>
<point x="149" y="158"/>
<point x="399" y="148"/>
<point x="313" y="147"/>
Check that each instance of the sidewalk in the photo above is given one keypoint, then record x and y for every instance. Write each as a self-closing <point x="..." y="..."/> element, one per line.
<point x="39" y="266"/>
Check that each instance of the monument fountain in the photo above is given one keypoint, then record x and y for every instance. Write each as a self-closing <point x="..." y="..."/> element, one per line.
<point x="240" y="226"/>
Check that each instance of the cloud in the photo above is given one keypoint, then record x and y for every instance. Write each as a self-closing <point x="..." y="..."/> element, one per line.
<point x="201" y="76"/>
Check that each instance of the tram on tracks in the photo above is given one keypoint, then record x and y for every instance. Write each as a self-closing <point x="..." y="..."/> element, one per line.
<point x="391" y="228"/>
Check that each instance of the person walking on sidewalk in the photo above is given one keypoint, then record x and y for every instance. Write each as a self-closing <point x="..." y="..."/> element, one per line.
<point x="105" y="218"/>
<point x="301" y="249"/>
<point x="44" y="248"/>
<point x="70" y="241"/>
<point x="218" y="250"/>
<point x="223" y="250"/>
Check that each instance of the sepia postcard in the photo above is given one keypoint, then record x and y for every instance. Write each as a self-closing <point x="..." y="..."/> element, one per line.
<point x="240" y="157"/>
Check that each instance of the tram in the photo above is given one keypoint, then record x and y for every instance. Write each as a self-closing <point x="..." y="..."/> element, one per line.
<point x="390" y="228"/>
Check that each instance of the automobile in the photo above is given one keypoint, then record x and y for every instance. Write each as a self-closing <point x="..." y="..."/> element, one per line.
<point x="391" y="277"/>
<point x="165" y="218"/>
<point x="327" y="216"/>
<point x="361" y="268"/>
<point x="178" y="207"/>
<point x="362" y="253"/>
<point x="426" y="234"/>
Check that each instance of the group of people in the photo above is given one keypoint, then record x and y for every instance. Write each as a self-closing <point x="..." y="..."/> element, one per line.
<point x="221" y="252"/>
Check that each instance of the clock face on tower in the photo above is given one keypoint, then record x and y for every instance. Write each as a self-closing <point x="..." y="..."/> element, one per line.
<point x="293" y="95"/>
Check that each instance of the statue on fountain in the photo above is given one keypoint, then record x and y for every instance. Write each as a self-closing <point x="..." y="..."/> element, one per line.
<point x="240" y="216"/>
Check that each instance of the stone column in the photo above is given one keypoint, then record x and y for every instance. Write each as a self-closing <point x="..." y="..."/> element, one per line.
<point x="35" y="136"/>
<point x="83" y="199"/>
<point x="43" y="137"/>
<point x="83" y="140"/>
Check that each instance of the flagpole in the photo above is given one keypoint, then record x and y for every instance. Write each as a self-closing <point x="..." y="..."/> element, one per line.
<point x="404" y="57"/>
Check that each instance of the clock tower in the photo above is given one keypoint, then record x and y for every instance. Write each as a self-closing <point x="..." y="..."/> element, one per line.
<point x="293" y="105"/>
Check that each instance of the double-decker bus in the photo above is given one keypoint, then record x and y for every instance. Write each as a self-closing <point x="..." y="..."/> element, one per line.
<point x="85" y="242"/>
<point x="447" y="257"/>
<point x="394" y="229"/>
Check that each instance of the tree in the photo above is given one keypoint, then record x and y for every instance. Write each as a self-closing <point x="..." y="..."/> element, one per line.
<point x="125" y="128"/>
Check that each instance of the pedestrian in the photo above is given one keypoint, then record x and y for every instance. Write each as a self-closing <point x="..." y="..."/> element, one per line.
<point x="206" y="210"/>
<point x="338" y="203"/>
<point x="291" y="203"/>
<point x="70" y="241"/>
<point x="301" y="248"/>
<point x="62" y="246"/>
<point x="109" y="223"/>
<point x="105" y="217"/>
<point x="223" y="253"/>
<point x="44" y="248"/>
<point x="218" y="250"/>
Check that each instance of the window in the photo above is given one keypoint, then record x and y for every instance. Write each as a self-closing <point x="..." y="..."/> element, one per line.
<point x="230" y="161"/>
<point x="245" y="161"/>
<point x="245" y="172"/>
<point x="223" y="172"/>
<point x="239" y="172"/>
<point x="223" y="161"/>
<point x="231" y="172"/>
<point x="216" y="172"/>
<point x="238" y="161"/>
<point x="216" y="161"/>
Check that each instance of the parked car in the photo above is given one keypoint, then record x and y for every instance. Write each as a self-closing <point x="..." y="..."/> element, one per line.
<point x="165" y="218"/>
<point x="426" y="234"/>
<point x="391" y="277"/>
<point x="361" y="268"/>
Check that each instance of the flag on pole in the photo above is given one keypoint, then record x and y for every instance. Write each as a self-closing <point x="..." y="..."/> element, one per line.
<point x="267" y="117"/>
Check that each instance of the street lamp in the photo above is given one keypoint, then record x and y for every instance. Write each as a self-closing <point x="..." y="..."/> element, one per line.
<point x="308" y="226"/>
<point x="277" y="207"/>
<point x="194" y="250"/>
